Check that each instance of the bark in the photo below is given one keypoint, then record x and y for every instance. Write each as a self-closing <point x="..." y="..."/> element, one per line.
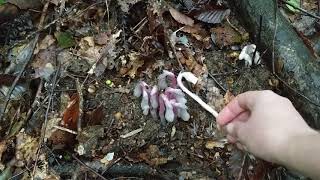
<point x="289" y="47"/>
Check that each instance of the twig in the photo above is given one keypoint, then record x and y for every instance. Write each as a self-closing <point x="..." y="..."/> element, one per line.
<point x="258" y="39"/>
<point x="274" y="36"/>
<point x="36" y="99"/>
<point x="235" y="72"/>
<point x="301" y="9"/>
<point x="216" y="81"/>
<point x="65" y="129"/>
<point x="132" y="133"/>
<point x="28" y="59"/>
<point x="79" y="89"/>
<point x="174" y="48"/>
<point x="44" y="127"/>
<point x="88" y="167"/>
<point x="296" y="91"/>
<point x="234" y="27"/>
<point x="108" y="13"/>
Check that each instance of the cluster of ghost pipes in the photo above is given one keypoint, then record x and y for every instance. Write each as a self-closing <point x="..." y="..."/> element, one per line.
<point x="166" y="99"/>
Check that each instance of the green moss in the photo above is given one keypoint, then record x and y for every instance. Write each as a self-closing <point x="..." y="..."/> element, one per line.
<point x="65" y="39"/>
<point x="2" y="2"/>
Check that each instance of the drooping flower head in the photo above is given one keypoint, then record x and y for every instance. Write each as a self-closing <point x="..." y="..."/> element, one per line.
<point x="167" y="79"/>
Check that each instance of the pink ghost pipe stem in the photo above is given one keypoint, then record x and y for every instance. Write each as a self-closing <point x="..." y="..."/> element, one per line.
<point x="193" y="79"/>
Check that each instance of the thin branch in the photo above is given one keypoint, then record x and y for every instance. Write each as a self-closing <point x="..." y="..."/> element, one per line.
<point x="44" y="127"/>
<point x="88" y="167"/>
<point x="301" y="9"/>
<point x="79" y="90"/>
<point x="296" y="91"/>
<point x="216" y="81"/>
<point x="274" y="35"/>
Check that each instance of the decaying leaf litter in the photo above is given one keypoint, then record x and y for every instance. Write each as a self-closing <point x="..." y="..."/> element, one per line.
<point x="75" y="65"/>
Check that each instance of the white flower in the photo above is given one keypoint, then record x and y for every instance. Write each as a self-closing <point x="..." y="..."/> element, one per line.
<point x="169" y="114"/>
<point x="163" y="78"/>
<point x="247" y="54"/>
<point x="154" y="97"/>
<point x="145" y="103"/>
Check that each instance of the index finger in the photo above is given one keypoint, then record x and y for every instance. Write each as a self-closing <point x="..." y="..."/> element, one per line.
<point x="241" y="103"/>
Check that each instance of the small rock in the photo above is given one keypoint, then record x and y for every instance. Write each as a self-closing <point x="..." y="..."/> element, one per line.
<point x="91" y="89"/>
<point x="118" y="116"/>
<point x="108" y="158"/>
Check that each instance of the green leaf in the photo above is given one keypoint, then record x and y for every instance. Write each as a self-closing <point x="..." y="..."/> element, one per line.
<point x="2" y="2"/>
<point x="293" y="4"/>
<point x="65" y="39"/>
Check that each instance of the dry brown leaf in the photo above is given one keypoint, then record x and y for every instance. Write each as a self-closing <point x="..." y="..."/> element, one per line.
<point x="44" y="63"/>
<point x="45" y="43"/>
<point x="94" y="117"/>
<point x="108" y="55"/>
<point x="136" y="62"/>
<point x="213" y="16"/>
<point x="71" y="114"/>
<point x="181" y="18"/>
<point x="62" y="138"/>
<point x="102" y="38"/>
<point x="26" y="149"/>
<point x="188" y="58"/>
<point x="226" y="35"/>
<point x="152" y="156"/>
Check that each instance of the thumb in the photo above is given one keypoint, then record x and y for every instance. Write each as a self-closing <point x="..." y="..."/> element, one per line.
<point x="242" y="103"/>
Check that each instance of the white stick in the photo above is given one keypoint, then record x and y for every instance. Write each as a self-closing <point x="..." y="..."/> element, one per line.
<point x="193" y="79"/>
<point x="134" y="132"/>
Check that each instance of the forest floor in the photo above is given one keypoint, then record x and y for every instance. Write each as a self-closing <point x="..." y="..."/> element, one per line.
<point x="70" y="69"/>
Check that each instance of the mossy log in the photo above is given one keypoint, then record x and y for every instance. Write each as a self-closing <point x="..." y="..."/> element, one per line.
<point x="289" y="47"/>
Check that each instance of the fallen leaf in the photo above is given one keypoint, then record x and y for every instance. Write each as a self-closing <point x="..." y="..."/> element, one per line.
<point x="108" y="55"/>
<point x="61" y="139"/>
<point x="26" y="149"/>
<point x="152" y="156"/>
<point x="44" y="63"/>
<point x="107" y="159"/>
<point x="293" y="5"/>
<point x="17" y="57"/>
<point x="94" y="117"/>
<point x="226" y="36"/>
<point x="71" y="114"/>
<point x="213" y="16"/>
<point x="102" y="38"/>
<point x="65" y="39"/>
<point x="181" y="18"/>
<point x="125" y="4"/>
<point x="45" y="43"/>
<point x="136" y="62"/>
<point x="189" y="58"/>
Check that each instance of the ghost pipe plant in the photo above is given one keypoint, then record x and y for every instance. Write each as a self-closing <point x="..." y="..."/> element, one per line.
<point x="165" y="100"/>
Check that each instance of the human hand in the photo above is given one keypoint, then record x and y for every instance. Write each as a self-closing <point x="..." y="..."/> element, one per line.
<point x="262" y="123"/>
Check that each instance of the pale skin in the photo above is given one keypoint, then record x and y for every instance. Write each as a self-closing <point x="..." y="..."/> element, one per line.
<point x="268" y="126"/>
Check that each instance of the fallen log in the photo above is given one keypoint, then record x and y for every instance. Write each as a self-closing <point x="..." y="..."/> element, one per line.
<point x="289" y="47"/>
